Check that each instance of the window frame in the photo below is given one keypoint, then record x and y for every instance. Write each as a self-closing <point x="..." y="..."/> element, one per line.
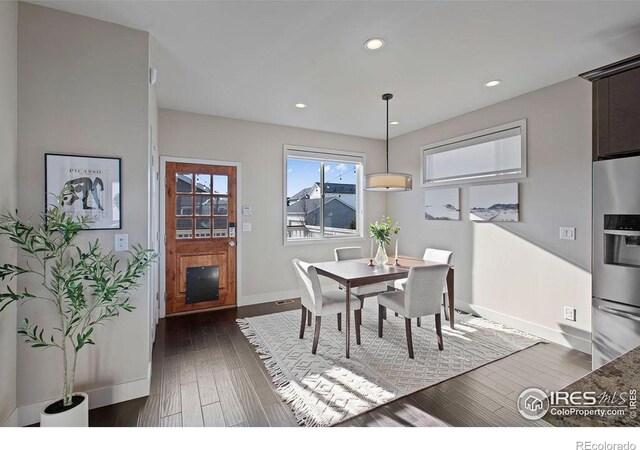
<point x="431" y="149"/>
<point x="322" y="155"/>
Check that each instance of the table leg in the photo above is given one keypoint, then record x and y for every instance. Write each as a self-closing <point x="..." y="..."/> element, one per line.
<point x="347" y="318"/>
<point x="450" y="276"/>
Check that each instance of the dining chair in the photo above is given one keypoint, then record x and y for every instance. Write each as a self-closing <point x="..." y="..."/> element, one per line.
<point x="420" y="297"/>
<point x="361" y="292"/>
<point x="435" y="255"/>
<point x="321" y="302"/>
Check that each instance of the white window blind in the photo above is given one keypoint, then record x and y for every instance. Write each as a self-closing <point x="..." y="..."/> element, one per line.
<point x="498" y="152"/>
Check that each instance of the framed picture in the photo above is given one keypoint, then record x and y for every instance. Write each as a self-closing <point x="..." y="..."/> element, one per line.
<point x="494" y="203"/>
<point x="95" y="183"/>
<point x="442" y="204"/>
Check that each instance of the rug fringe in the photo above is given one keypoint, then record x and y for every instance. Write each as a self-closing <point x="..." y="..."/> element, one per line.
<point x="289" y="393"/>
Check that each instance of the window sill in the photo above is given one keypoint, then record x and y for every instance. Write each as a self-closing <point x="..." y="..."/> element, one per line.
<point x="321" y="241"/>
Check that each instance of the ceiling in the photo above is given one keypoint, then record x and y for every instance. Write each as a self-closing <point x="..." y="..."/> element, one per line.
<point x="256" y="60"/>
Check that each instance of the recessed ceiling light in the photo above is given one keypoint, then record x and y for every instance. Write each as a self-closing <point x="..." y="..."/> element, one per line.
<point x="300" y="105"/>
<point x="374" y="44"/>
<point x="394" y="123"/>
<point x="492" y="83"/>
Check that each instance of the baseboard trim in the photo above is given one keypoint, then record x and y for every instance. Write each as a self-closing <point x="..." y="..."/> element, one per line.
<point x="12" y="420"/>
<point x="30" y="414"/>
<point x="268" y="297"/>
<point x="582" y="344"/>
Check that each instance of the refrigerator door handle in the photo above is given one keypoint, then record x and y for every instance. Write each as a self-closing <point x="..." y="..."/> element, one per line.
<point x="617" y="312"/>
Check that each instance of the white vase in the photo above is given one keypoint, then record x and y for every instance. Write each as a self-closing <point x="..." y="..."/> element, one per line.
<point x="78" y="416"/>
<point x="381" y="256"/>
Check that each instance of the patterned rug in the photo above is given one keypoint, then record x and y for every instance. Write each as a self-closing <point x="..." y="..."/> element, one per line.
<point x="326" y="388"/>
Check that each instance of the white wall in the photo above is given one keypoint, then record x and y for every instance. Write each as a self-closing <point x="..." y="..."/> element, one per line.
<point x="8" y="142"/>
<point x="83" y="89"/>
<point x="520" y="273"/>
<point x="266" y="269"/>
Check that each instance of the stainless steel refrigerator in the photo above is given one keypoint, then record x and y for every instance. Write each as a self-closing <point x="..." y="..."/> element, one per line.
<point x="616" y="258"/>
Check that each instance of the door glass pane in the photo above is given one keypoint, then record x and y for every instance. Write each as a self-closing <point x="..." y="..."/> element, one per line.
<point x="203" y="228"/>
<point x="203" y="183"/>
<point x="184" y="228"/>
<point x="220" y="227"/>
<point x="203" y="205"/>
<point x="184" y="182"/>
<point x="340" y="198"/>
<point x="220" y="184"/>
<point x="220" y="206"/>
<point x="303" y="198"/>
<point x="184" y="205"/>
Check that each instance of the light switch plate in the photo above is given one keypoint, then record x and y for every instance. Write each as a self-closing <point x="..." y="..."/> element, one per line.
<point x="568" y="233"/>
<point x="121" y="242"/>
<point x="246" y="226"/>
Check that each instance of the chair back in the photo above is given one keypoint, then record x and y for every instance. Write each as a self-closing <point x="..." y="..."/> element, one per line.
<point x="344" y="253"/>
<point x="309" y="284"/>
<point x="423" y="292"/>
<point x="439" y="256"/>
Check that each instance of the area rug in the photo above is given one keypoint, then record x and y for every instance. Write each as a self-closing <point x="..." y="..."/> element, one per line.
<point x="327" y="388"/>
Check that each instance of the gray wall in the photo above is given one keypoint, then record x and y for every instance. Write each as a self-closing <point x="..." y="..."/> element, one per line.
<point x="83" y="89"/>
<point x="8" y="142"/>
<point x="266" y="263"/>
<point x="520" y="270"/>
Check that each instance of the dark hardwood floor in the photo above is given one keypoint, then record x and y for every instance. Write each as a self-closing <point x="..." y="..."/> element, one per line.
<point x="205" y="373"/>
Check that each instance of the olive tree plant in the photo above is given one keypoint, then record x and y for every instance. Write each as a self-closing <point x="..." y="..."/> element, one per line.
<point x="84" y="285"/>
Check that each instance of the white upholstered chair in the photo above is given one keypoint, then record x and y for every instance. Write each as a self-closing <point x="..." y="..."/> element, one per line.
<point x="435" y="255"/>
<point x="420" y="297"/>
<point x="361" y="292"/>
<point x="321" y="303"/>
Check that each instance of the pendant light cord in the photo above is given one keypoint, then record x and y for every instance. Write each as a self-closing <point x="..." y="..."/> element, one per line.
<point x="387" y="100"/>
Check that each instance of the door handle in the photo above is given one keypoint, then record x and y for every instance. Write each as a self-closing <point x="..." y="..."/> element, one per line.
<point x="617" y="312"/>
<point x="233" y="244"/>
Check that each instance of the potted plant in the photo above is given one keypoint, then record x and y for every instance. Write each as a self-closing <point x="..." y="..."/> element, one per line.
<point x="83" y="286"/>
<point x="381" y="231"/>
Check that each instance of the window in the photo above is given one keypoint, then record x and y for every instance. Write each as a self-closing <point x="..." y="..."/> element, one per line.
<point x="200" y="202"/>
<point x="498" y="152"/>
<point x="323" y="194"/>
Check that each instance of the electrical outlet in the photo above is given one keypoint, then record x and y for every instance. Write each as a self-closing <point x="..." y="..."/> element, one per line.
<point x="570" y="313"/>
<point x="121" y="242"/>
<point x="568" y="233"/>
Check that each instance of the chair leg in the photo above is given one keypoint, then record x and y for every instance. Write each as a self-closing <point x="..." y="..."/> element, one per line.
<point x="358" y="316"/>
<point x="418" y="322"/>
<point x="439" y="332"/>
<point x="444" y="305"/>
<point x="381" y="313"/>
<point x="396" y="314"/>
<point x="316" y="335"/>
<point x="339" y="321"/>
<point x="407" y="326"/>
<point x="361" y="306"/>
<point x="385" y="314"/>
<point x="309" y="319"/>
<point x="304" y="316"/>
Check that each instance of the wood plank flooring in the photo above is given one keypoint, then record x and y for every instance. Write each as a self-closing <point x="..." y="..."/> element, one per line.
<point x="205" y="373"/>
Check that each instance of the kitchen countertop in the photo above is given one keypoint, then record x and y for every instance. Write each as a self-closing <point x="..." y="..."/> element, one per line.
<point x="621" y="375"/>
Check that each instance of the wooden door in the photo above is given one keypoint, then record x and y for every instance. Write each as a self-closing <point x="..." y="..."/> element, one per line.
<point x="200" y="217"/>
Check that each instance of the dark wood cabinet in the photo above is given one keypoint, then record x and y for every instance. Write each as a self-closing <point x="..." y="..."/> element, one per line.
<point x="616" y="109"/>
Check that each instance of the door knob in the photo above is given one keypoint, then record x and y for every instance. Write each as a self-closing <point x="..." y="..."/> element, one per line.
<point x="232" y="243"/>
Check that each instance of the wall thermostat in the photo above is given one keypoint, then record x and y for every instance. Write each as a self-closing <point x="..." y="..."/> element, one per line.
<point x="247" y="210"/>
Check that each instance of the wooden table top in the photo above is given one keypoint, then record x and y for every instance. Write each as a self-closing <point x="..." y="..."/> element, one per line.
<point x="357" y="272"/>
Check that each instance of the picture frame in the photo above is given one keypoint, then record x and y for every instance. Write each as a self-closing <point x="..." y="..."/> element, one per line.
<point x="97" y="187"/>
<point x="494" y="203"/>
<point x="442" y="204"/>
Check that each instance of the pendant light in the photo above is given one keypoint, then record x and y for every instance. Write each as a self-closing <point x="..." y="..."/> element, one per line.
<point x="388" y="181"/>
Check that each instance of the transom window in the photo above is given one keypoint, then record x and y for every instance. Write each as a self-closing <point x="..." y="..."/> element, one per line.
<point x="498" y="152"/>
<point x="201" y="206"/>
<point x="323" y="194"/>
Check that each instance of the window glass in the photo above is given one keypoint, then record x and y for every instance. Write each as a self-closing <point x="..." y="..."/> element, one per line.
<point x="221" y="184"/>
<point x="184" y="182"/>
<point x="184" y="228"/>
<point x="184" y="205"/>
<point x="203" y="183"/>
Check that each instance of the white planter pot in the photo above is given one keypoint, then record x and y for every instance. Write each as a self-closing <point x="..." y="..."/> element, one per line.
<point x="78" y="416"/>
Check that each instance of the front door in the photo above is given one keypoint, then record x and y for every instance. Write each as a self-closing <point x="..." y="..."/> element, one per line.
<point x="200" y="237"/>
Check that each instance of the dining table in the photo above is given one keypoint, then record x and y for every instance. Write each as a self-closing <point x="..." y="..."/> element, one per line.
<point x="360" y="272"/>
